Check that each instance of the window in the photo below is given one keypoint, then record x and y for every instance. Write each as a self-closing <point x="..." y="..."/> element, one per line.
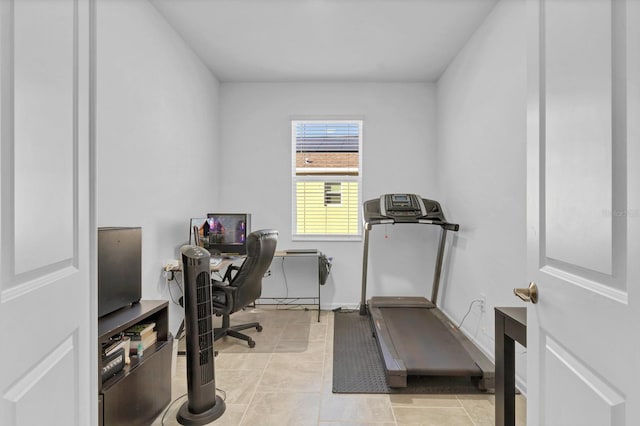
<point x="326" y="179"/>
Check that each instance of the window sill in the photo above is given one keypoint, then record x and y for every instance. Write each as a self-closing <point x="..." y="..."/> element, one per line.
<point x="337" y="238"/>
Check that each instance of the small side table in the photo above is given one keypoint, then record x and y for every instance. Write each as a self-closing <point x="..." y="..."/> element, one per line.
<point x="511" y="327"/>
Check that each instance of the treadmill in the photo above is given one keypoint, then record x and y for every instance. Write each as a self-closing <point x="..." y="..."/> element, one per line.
<point x="414" y="337"/>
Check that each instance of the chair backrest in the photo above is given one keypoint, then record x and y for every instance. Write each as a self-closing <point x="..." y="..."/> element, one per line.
<point x="261" y="246"/>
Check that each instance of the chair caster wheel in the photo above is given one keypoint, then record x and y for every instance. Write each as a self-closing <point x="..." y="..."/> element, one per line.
<point x="251" y="343"/>
<point x="259" y="328"/>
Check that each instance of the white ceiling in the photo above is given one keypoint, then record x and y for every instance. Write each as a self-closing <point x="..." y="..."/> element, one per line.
<point x="325" y="40"/>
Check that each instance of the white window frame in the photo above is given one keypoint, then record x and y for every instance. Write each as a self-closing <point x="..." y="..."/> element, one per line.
<point x="330" y="177"/>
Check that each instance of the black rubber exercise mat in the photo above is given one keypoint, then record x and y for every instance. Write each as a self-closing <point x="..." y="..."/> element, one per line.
<point x="357" y="367"/>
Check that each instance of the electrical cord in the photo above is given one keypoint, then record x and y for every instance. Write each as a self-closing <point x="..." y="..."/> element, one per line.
<point x="179" y="285"/>
<point x="224" y="394"/>
<point x="171" y="294"/>
<point x="468" y="311"/>
<point x="291" y="304"/>
<point x="284" y="275"/>
<point x="164" y="415"/>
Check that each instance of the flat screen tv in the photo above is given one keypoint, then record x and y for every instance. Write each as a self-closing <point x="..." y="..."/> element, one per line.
<point x="119" y="268"/>
<point x="221" y="233"/>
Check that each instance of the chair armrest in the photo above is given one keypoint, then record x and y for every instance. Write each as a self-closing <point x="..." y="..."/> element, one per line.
<point x="227" y="275"/>
<point x="229" y="292"/>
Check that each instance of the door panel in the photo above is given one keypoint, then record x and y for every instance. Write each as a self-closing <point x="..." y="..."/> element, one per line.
<point x="582" y="365"/>
<point x="48" y="315"/>
<point x="577" y="108"/>
<point x="44" y="121"/>
<point x="586" y="399"/>
<point x="25" y="398"/>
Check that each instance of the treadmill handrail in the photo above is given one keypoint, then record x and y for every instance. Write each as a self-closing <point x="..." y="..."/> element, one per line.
<point x="390" y="221"/>
<point x="376" y="215"/>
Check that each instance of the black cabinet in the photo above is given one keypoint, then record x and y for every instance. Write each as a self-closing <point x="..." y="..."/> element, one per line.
<point x="137" y="394"/>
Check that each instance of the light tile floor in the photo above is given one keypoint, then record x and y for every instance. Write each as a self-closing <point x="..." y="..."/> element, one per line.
<point x="286" y="380"/>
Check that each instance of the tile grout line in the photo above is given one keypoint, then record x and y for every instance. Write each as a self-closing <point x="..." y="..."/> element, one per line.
<point x="466" y="411"/>
<point x="393" y="411"/>
<point x="255" y="390"/>
<point x="324" y="371"/>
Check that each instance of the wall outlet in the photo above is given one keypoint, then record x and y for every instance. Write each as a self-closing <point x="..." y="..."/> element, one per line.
<point x="483" y="302"/>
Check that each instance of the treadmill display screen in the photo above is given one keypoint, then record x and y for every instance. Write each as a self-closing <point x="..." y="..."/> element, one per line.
<point x="396" y="203"/>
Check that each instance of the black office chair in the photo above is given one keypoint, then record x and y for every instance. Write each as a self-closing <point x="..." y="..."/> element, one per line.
<point x="240" y="289"/>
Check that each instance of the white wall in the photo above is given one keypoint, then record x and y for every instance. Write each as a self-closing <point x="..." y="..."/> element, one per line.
<point x="398" y="156"/>
<point x="157" y="134"/>
<point x="165" y="155"/>
<point x="482" y="169"/>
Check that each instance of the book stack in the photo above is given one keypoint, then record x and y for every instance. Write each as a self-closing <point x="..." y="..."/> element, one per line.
<point x="142" y="336"/>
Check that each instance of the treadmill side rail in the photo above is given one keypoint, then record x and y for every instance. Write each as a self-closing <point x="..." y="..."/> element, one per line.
<point x="488" y="380"/>
<point x="394" y="369"/>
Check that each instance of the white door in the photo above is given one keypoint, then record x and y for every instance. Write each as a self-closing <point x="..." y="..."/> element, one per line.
<point x="48" y="365"/>
<point x="583" y="195"/>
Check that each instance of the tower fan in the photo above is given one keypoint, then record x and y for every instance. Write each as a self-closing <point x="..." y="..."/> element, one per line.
<point x="203" y="405"/>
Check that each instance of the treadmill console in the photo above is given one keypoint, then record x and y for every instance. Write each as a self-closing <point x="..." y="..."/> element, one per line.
<point x="404" y="208"/>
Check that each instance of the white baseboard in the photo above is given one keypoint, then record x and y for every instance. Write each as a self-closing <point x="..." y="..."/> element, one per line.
<point x="333" y="306"/>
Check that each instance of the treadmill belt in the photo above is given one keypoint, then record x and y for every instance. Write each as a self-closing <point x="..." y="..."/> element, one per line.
<point x="425" y="345"/>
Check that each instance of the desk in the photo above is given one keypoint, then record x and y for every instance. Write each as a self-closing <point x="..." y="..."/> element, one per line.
<point x="511" y="327"/>
<point x="172" y="267"/>
<point x="301" y="254"/>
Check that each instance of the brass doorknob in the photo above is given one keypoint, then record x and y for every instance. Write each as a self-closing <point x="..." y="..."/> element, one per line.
<point x="527" y="294"/>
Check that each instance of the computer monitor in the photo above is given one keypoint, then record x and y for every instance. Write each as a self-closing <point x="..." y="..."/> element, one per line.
<point x="221" y="233"/>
